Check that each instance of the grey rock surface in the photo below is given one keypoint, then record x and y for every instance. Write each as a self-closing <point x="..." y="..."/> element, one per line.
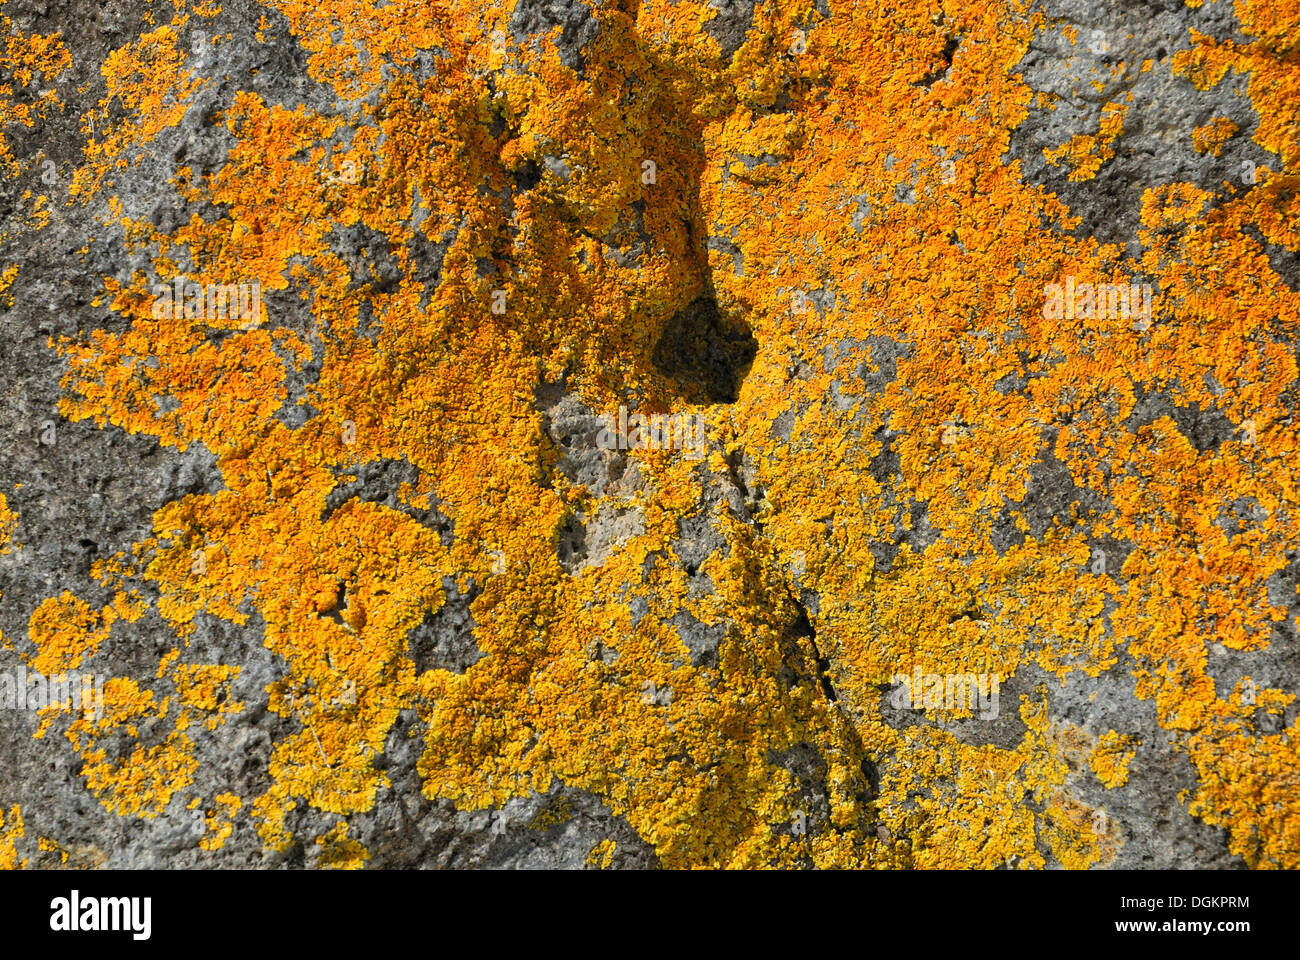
<point x="85" y="492"/>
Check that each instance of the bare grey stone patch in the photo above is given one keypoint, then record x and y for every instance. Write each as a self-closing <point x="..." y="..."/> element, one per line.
<point x="368" y="256"/>
<point x="299" y="378"/>
<point x="1051" y="495"/>
<point x="378" y="481"/>
<point x="701" y="639"/>
<point x="577" y="21"/>
<point x="1156" y="830"/>
<point x="809" y="769"/>
<point x="885" y="354"/>
<point x="697" y="540"/>
<point x="558" y="167"/>
<point x="519" y="836"/>
<point x="444" y="640"/>
<point x="426" y="259"/>
<point x="575" y="430"/>
<point x="608" y="529"/>
<point x="723" y="245"/>
<point x="571" y="545"/>
<point x="1006" y="730"/>
<point x="1206" y="429"/>
<point x="731" y="25"/>
<point x="1283" y="261"/>
<point x="558" y="829"/>
<point x="1155" y="147"/>
<point x="863" y="214"/>
<point x="784" y="424"/>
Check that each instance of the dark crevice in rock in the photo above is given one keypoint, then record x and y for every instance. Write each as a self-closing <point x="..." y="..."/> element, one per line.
<point x="528" y="176"/>
<point x="708" y="353"/>
<point x="803" y="628"/>
<point x="935" y="76"/>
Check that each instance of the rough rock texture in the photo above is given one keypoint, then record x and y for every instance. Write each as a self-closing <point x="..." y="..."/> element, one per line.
<point x="653" y="441"/>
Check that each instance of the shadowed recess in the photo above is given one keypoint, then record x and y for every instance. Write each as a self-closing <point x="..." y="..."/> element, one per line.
<point x="707" y="353"/>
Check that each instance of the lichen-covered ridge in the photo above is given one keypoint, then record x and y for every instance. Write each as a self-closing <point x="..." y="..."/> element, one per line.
<point x="469" y="232"/>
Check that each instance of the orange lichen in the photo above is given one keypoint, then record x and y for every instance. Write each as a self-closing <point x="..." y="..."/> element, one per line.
<point x="1085" y="153"/>
<point x="338" y="852"/>
<point x="601" y="855"/>
<point x="7" y="278"/>
<point x="11" y="831"/>
<point x="143" y="782"/>
<point x="220" y="824"/>
<point x="148" y="86"/>
<point x="1274" y="86"/>
<point x="1248" y="785"/>
<point x="8" y="523"/>
<point x="1080" y="838"/>
<point x="1110" y="759"/>
<point x="66" y="630"/>
<point x="29" y="65"/>
<point x="1211" y="137"/>
<point x="796" y="156"/>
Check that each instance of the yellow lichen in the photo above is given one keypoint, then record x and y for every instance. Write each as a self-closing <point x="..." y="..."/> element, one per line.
<point x="338" y="852"/>
<point x="1085" y="153"/>
<point x="11" y="831"/>
<point x="1211" y="137"/>
<point x="601" y="855"/>
<point x="796" y="159"/>
<point x="1110" y="759"/>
